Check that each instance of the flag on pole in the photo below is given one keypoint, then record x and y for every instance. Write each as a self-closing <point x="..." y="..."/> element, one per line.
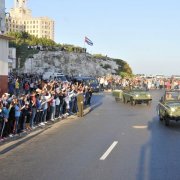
<point x="88" y="41"/>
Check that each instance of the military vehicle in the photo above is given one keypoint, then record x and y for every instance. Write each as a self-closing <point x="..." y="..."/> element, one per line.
<point x="136" y="95"/>
<point x="169" y="107"/>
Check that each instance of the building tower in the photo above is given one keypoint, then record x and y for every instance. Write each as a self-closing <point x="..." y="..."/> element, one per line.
<point x="20" y="9"/>
<point x="21" y="19"/>
<point x="20" y="3"/>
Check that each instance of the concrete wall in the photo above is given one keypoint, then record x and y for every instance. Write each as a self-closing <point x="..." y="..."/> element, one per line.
<point x="3" y="65"/>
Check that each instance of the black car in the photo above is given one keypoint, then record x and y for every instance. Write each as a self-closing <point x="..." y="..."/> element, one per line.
<point x="89" y="81"/>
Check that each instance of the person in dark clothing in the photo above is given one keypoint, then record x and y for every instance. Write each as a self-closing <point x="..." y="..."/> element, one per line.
<point x="11" y="119"/>
<point x="39" y="109"/>
<point x="90" y="96"/>
<point x="5" y="115"/>
<point x="26" y="112"/>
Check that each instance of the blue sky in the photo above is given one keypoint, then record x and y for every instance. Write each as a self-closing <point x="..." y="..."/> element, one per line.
<point x="145" y="33"/>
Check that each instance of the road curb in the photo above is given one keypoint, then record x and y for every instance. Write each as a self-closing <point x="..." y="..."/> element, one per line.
<point x="13" y="142"/>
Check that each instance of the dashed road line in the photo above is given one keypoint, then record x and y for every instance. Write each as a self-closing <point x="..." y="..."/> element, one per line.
<point x="105" y="155"/>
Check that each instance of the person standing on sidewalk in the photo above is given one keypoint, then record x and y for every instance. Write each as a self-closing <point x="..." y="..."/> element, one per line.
<point x="17" y="115"/>
<point x="80" y="102"/>
<point x="5" y="115"/>
<point x="33" y="110"/>
<point x="57" y="114"/>
<point x="52" y="107"/>
<point x="17" y="87"/>
<point x="45" y="97"/>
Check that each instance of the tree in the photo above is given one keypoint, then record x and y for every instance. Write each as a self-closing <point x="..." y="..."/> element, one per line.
<point x="24" y="36"/>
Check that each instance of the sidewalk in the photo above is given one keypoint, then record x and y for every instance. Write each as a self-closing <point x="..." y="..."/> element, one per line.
<point x="12" y="142"/>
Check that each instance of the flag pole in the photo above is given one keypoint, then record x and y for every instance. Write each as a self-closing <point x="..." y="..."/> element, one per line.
<point x="85" y="48"/>
<point x="84" y="45"/>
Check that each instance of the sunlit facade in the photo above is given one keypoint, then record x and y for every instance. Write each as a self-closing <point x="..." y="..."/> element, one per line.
<point x="21" y="19"/>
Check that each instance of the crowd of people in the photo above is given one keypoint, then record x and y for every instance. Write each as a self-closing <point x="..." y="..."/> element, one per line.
<point x="116" y="82"/>
<point x="32" y="102"/>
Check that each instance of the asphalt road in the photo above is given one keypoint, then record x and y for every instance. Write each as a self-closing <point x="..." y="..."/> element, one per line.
<point x="113" y="142"/>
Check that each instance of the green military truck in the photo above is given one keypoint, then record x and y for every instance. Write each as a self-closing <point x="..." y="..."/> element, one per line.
<point x="117" y="93"/>
<point x="169" y="107"/>
<point x="136" y="95"/>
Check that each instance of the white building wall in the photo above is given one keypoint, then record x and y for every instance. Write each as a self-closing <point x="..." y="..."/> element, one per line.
<point x="3" y="57"/>
<point x="12" y="59"/>
<point x="2" y="16"/>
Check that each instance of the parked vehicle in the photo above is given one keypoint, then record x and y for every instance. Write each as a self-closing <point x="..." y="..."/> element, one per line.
<point x="169" y="107"/>
<point x="54" y="76"/>
<point x="90" y="81"/>
<point x="136" y="95"/>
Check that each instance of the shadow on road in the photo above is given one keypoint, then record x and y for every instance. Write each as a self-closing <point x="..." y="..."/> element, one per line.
<point x="159" y="158"/>
<point x="97" y="101"/>
<point x="13" y="146"/>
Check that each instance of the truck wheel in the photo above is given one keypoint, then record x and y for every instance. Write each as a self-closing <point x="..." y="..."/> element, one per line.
<point x="133" y="102"/>
<point x="167" y="121"/>
<point x="148" y="103"/>
<point x="124" y="100"/>
<point x="160" y="117"/>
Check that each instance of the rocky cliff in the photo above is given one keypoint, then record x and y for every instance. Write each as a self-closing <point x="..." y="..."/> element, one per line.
<point x="71" y="63"/>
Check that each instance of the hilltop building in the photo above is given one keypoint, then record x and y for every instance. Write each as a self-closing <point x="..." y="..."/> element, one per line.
<point x="20" y="19"/>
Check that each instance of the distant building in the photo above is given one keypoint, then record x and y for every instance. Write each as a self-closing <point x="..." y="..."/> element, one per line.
<point x="21" y="19"/>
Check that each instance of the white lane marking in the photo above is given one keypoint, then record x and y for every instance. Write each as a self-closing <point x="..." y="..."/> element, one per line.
<point x="140" y="127"/>
<point x="105" y="155"/>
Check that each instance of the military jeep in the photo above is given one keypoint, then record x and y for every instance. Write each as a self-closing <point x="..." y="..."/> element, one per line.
<point x="136" y="95"/>
<point x="169" y="107"/>
<point x="117" y="93"/>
